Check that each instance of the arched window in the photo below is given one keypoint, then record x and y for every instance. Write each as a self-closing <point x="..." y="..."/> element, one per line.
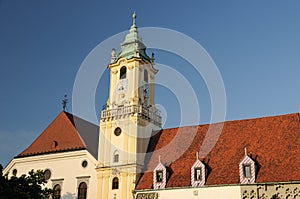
<point x="115" y="183"/>
<point x="123" y="72"/>
<point x="56" y="192"/>
<point x="145" y="75"/>
<point x="82" y="190"/>
<point x="116" y="156"/>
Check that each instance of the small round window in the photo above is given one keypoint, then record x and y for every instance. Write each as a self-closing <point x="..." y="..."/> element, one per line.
<point x="84" y="163"/>
<point x="14" y="172"/>
<point x="47" y="174"/>
<point x="118" y="131"/>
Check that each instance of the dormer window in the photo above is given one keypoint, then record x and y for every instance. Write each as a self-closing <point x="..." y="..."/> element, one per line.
<point x="247" y="170"/>
<point x="198" y="173"/>
<point x="159" y="176"/>
<point x="123" y="71"/>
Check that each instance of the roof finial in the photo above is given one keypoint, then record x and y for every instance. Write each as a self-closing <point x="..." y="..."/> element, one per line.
<point x="197" y="155"/>
<point x="64" y="102"/>
<point x="152" y="58"/>
<point x="159" y="159"/>
<point x="134" y="19"/>
<point x="113" y="55"/>
<point x="245" y="151"/>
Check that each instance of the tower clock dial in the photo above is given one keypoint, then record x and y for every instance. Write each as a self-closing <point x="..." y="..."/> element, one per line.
<point x="122" y="86"/>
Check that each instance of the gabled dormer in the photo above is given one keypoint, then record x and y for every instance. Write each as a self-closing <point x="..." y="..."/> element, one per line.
<point x="247" y="170"/>
<point x="159" y="176"/>
<point x="198" y="173"/>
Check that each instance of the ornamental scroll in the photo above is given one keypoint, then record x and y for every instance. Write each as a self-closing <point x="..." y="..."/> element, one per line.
<point x="147" y="196"/>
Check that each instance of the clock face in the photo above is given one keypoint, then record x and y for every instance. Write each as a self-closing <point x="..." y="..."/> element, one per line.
<point x="122" y="86"/>
<point x="146" y="90"/>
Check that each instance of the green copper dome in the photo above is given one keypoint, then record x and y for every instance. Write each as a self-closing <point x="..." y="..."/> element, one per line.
<point x="133" y="45"/>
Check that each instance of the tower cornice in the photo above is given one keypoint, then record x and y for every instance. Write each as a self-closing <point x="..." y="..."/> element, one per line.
<point x="124" y="61"/>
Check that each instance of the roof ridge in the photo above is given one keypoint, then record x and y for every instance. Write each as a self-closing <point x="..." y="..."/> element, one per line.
<point x="234" y="120"/>
<point x="74" y="125"/>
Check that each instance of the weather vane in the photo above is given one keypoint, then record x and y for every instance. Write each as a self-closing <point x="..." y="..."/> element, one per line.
<point x="64" y="102"/>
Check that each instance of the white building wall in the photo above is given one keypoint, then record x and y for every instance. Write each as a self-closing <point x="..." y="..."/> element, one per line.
<point x="65" y="167"/>
<point x="217" y="192"/>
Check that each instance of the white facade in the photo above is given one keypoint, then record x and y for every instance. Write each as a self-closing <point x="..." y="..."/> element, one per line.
<point x="66" y="170"/>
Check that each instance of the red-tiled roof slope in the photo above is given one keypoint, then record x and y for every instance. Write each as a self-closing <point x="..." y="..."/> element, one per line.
<point x="272" y="142"/>
<point x="61" y="135"/>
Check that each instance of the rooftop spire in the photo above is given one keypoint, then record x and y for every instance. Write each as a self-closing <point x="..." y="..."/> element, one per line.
<point x="133" y="20"/>
<point x="133" y="45"/>
<point x="64" y="102"/>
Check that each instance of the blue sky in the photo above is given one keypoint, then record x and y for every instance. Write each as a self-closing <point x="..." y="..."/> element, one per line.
<point x="255" y="45"/>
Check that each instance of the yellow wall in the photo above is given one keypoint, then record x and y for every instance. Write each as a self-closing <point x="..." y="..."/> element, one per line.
<point x="130" y="146"/>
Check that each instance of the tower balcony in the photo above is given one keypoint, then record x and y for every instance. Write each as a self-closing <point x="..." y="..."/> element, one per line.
<point x="132" y="110"/>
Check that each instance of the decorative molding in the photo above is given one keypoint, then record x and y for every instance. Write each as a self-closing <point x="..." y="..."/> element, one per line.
<point x="57" y="181"/>
<point x="123" y="61"/>
<point x="84" y="179"/>
<point x="114" y="71"/>
<point x="147" y="196"/>
<point x="195" y="192"/>
<point x="80" y="177"/>
<point x="249" y="194"/>
<point x="115" y="172"/>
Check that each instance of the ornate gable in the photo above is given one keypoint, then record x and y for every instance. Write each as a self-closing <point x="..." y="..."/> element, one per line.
<point x="198" y="174"/>
<point x="247" y="170"/>
<point x="159" y="176"/>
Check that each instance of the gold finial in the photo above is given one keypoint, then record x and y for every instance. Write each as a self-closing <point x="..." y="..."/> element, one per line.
<point x="245" y="151"/>
<point x="197" y="155"/>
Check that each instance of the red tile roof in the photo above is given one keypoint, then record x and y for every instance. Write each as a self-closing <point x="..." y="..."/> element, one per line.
<point x="65" y="133"/>
<point x="272" y="142"/>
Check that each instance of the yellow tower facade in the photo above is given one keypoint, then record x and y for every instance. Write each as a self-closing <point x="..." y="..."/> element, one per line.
<point x="129" y="119"/>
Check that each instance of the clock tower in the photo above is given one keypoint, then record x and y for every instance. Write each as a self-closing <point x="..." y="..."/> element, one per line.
<point x="128" y="120"/>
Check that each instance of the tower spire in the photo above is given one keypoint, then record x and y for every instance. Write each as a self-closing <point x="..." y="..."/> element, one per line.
<point x="133" y="43"/>
<point x="133" y="20"/>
